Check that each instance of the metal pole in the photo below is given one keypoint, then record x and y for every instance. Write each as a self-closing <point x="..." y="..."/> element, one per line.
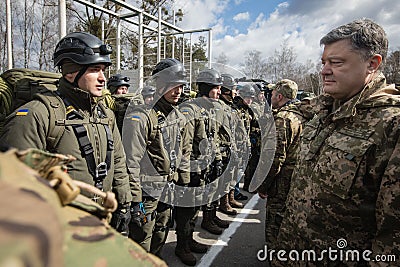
<point x="102" y="31"/>
<point x="209" y="47"/>
<point x="118" y="63"/>
<point x="62" y="18"/>
<point x="9" y="43"/>
<point x="190" y="58"/>
<point x="159" y="36"/>
<point x="173" y="38"/>
<point x="140" y="51"/>
<point x="183" y="49"/>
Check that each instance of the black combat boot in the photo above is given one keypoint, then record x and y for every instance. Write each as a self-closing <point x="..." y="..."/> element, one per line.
<point x="218" y="221"/>
<point x="197" y="247"/>
<point x="209" y="224"/>
<point x="182" y="251"/>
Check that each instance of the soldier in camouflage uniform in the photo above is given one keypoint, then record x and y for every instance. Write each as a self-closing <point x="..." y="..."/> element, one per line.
<point x="89" y="131"/>
<point x="288" y="123"/>
<point x="345" y="190"/>
<point x="156" y="147"/>
<point x="45" y="221"/>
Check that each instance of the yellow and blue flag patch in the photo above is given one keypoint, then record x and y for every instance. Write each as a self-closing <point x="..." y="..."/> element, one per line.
<point x="135" y="118"/>
<point x="22" y="112"/>
<point x="185" y="111"/>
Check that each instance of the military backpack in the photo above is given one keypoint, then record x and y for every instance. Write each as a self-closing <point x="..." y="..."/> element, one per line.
<point x="19" y="86"/>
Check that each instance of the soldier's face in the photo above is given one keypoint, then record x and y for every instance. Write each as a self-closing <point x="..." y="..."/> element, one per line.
<point x="93" y="80"/>
<point x="148" y="99"/>
<point x="173" y="94"/>
<point x="344" y="72"/>
<point x="122" y="90"/>
<point x="275" y="98"/>
<point x="248" y="100"/>
<point x="215" y="92"/>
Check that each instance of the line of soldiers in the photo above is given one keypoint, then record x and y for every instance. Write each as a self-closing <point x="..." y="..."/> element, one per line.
<point x="162" y="156"/>
<point x="199" y="148"/>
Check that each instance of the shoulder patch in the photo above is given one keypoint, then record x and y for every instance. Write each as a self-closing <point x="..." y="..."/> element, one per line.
<point x="185" y="111"/>
<point x="22" y="112"/>
<point x="136" y="118"/>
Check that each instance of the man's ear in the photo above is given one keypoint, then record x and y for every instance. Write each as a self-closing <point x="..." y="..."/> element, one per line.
<point x="374" y="63"/>
<point x="70" y="76"/>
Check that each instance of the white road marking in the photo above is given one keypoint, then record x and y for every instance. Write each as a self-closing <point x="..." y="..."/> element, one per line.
<point x="208" y="258"/>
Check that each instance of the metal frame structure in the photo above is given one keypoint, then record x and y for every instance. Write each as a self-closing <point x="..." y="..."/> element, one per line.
<point x="135" y="16"/>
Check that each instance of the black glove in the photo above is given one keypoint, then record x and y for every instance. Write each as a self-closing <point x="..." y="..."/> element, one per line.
<point x="121" y="218"/>
<point x="138" y="214"/>
<point x="218" y="168"/>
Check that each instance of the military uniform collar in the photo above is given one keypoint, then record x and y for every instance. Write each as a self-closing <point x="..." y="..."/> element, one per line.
<point x="164" y="106"/>
<point x="79" y="98"/>
<point x="349" y="108"/>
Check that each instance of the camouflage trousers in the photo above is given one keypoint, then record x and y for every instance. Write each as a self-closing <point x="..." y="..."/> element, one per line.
<point x="153" y="234"/>
<point x="273" y="219"/>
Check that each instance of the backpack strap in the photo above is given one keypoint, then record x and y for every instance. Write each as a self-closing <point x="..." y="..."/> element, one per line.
<point x="153" y="121"/>
<point x="57" y="114"/>
<point x="98" y="172"/>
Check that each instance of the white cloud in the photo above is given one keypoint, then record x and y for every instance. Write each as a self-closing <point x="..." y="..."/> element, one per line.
<point x="301" y="22"/>
<point x="242" y="16"/>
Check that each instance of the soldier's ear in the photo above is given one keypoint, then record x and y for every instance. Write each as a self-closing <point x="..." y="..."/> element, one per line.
<point x="70" y="76"/>
<point x="374" y="63"/>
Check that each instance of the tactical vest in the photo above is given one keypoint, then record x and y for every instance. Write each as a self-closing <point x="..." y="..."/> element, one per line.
<point x="163" y="149"/>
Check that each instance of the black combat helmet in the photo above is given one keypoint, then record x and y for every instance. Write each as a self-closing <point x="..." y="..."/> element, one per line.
<point x="82" y="48"/>
<point x="247" y="90"/>
<point x="148" y="90"/>
<point x="116" y="81"/>
<point x="228" y="83"/>
<point x="169" y="71"/>
<point x="209" y="76"/>
<point x="207" y="80"/>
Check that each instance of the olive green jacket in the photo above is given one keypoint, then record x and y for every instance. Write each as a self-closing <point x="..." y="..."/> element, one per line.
<point x="148" y="157"/>
<point x="31" y="129"/>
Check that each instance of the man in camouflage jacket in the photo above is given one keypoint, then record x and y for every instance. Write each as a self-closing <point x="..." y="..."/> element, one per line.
<point x="345" y="190"/>
<point x="288" y="124"/>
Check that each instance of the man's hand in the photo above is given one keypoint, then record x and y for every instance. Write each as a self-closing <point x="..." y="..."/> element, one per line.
<point x="262" y="195"/>
<point x="138" y="214"/>
<point x="121" y="218"/>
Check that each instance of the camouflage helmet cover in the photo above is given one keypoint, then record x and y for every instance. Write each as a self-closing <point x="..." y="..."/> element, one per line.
<point x="287" y="88"/>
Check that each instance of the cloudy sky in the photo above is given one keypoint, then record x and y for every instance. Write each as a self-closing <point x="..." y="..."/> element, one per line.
<point x="244" y="25"/>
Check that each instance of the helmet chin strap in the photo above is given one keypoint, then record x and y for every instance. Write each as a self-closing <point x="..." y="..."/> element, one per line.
<point x="79" y="75"/>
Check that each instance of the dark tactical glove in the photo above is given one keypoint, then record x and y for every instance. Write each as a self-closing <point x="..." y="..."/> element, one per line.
<point x="121" y="218"/>
<point x="218" y="168"/>
<point x="138" y="214"/>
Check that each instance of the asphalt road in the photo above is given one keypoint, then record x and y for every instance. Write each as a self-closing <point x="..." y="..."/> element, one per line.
<point x="237" y="246"/>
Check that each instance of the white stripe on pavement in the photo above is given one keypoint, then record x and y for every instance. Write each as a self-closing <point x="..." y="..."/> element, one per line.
<point x="208" y="258"/>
